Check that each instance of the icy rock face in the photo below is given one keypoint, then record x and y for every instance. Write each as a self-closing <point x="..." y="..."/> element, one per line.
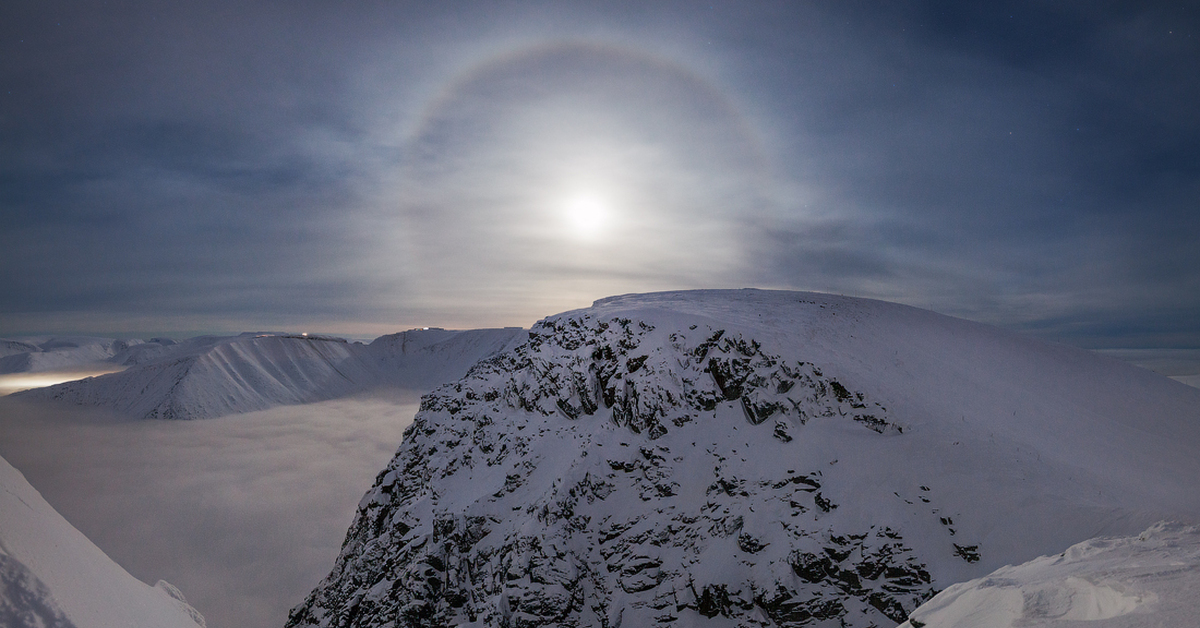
<point x="597" y="476"/>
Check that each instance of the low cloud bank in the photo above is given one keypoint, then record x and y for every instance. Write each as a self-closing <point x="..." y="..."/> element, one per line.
<point x="245" y="514"/>
<point x="16" y="382"/>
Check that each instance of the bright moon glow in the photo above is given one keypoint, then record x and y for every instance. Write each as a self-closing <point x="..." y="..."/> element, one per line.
<point x="586" y="216"/>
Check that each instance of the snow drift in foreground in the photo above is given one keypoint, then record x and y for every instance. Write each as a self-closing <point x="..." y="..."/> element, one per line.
<point x="208" y="377"/>
<point x="52" y="576"/>
<point x="1146" y="581"/>
<point x="751" y="458"/>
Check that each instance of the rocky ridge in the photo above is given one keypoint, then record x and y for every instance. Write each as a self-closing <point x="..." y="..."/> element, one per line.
<point x="647" y="517"/>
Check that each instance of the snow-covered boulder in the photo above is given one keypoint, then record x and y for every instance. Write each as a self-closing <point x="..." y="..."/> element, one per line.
<point x="751" y="458"/>
<point x="51" y="576"/>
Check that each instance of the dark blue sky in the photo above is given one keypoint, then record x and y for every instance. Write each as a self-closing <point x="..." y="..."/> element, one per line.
<point x="362" y="167"/>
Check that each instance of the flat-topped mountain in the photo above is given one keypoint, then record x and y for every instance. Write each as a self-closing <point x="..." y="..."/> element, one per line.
<point x="753" y="458"/>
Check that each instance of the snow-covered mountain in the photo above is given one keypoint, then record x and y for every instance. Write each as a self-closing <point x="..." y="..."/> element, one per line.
<point x="751" y="458"/>
<point x="422" y="359"/>
<point x="208" y="377"/>
<point x="1145" y="581"/>
<point x="53" y="353"/>
<point x="13" y="347"/>
<point x="51" y="576"/>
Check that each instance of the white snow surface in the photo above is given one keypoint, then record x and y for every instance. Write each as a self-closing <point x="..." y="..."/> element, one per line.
<point x="1002" y="422"/>
<point x="1146" y="581"/>
<point x="858" y="453"/>
<point x="1190" y="380"/>
<point x="51" y="576"/>
<point x="58" y="353"/>
<point x="208" y="377"/>
<point x="11" y="347"/>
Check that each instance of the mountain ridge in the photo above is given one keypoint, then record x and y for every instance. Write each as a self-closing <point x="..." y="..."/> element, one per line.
<point x="208" y="377"/>
<point x="752" y="458"/>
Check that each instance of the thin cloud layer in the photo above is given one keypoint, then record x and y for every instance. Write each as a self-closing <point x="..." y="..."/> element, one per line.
<point x="367" y="168"/>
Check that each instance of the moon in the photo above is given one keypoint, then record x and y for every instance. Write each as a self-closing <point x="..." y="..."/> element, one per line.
<point x="586" y="217"/>
<point x="573" y="168"/>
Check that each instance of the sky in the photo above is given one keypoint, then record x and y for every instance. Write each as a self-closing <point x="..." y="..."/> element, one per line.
<point x="364" y="167"/>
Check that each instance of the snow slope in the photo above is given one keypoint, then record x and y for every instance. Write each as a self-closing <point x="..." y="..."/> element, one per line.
<point x="753" y="458"/>
<point x="57" y="353"/>
<point x="1146" y="581"/>
<point x="53" y="576"/>
<point x="425" y="358"/>
<point x="208" y="377"/>
<point x="231" y="375"/>
<point x="12" y="347"/>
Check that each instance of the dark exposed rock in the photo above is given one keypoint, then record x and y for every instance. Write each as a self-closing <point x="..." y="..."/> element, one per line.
<point x="592" y="513"/>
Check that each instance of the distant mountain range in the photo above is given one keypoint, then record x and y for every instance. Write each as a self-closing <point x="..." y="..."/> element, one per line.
<point x="208" y="376"/>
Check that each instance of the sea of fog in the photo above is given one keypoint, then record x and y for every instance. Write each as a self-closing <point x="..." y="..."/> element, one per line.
<point x="245" y="514"/>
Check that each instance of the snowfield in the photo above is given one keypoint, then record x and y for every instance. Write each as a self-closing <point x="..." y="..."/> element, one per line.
<point x="1144" y="581"/>
<point x="754" y="458"/>
<point x="53" y="576"/>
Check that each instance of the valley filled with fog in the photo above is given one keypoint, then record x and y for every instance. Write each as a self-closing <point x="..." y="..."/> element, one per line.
<point x="245" y="513"/>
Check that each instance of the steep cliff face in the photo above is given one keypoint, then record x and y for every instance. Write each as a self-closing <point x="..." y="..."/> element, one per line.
<point x="715" y="459"/>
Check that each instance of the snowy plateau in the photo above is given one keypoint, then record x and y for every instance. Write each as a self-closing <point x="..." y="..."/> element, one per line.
<point x="751" y="458"/>
<point x="702" y="458"/>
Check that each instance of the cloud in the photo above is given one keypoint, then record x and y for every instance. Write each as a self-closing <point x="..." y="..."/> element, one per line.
<point x="245" y="514"/>
<point x="404" y="161"/>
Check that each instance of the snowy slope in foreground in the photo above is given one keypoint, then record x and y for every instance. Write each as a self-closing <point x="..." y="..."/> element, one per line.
<point x="209" y="377"/>
<point x="53" y="576"/>
<point x="750" y="458"/>
<point x="1147" y="581"/>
